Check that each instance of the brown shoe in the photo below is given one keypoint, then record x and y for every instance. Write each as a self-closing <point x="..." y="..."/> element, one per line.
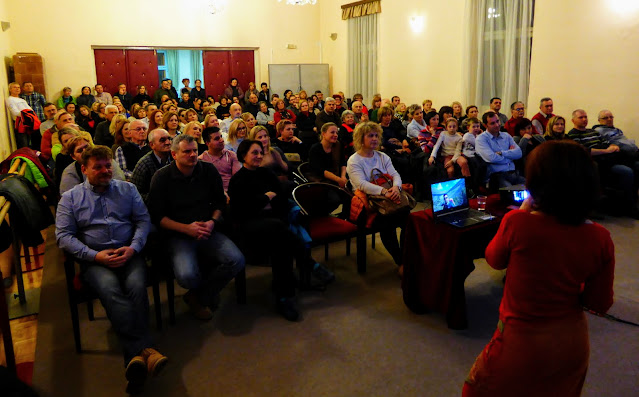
<point x="155" y="361"/>
<point x="197" y="309"/>
<point x="136" y="371"/>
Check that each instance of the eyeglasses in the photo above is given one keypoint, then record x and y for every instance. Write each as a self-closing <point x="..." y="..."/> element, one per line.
<point x="519" y="109"/>
<point x="139" y="129"/>
<point x="165" y="138"/>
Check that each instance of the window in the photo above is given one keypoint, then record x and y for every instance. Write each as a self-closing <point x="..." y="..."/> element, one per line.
<point x="162" y="67"/>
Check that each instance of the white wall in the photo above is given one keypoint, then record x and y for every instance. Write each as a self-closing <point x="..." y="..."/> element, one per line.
<point x="585" y="55"/>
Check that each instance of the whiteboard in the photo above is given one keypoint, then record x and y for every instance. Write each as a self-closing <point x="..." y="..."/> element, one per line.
<point x="314" y="77"/>
<point x="283" y="77"/>
<point x="296" y="77"/>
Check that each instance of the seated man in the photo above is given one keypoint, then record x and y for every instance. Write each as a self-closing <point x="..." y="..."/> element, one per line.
<point x="186" y="202"/>
<point x="103" y="223"/>
<point x="614" y="135"/>
<point x="610" y="162"/>
<point x="60" y="120"/>
<point x="131" y="152"/>
<point x="225" y="161"/>
<point x="358" y="109"/>
<point x="498" y="150"/>
<point x="517" y="111"/>
<point x="156" y="158"/>
<point x="540" y="120"/>
<point x="235" y="111"/>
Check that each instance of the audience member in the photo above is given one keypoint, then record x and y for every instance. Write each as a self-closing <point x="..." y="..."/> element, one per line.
<point x="119" y="128"/>
<point x="266" y="117"/>
<point x="264" y="94"/>
<point x="235" y="112"/>
<point x="457" y="110"/>
<point x="141" y="96"/>
<point x="540" y="120"/>
<point x="102" y="131"/>
<point x="194" y="128"/>
<point x="495" y="107"/>
<point x="499" y="151"/>
<point x="555" y="129"/>
<point x="289" y="143"/>
<point x="65" y="98"/>
<point x="327" y="115"/>
<point x="124" y="96"/>
<point x="376" y="103"/>
<point x="476" y="164"/>
<point x="450" y="144"/>
<point x="186" y="202"/>
<point x="61" y="120"/>
<point x="165" y="89"/>
<point x="251" y="105"/>
<point x="527" y="138"/>
<point x="35" y="100"/>
<point x="49" y="112"/>
<point x="171" y="123"/>
<point x="358" y="111"/>
<point x="607" y="129"/>
<point x="198" y="92"/>
<point x="131" y="152"/>
<point x="156" y="158"/>
<point x="274" y="158"/>
<point x="339" y="104"/>
<point x="283" y="113"/>
<point x="223" y="110"/>
<point x="326" y="158"/>
<point x="225" y="161"/>
<point x="104" y="224"/>
<point x="251" y="90"/>
<point x="517" y="110"/>
<point x="102" y="96"/>
<point x="237" y="133"/>
<point x="85" y="97"/>
<point x="85" y="121"/>
<point x="234" y="90"/>
<point x="360" y="167"/>
<point x="345" y="135"/>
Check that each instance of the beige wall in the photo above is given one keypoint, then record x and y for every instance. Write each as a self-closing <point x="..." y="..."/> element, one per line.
<point x="585" y="55"/>
<point x="334" y="52"/>
<point x="68" y="32"/>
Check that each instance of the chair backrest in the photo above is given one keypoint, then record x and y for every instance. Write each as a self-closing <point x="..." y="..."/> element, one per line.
<point x="319" y="198"/>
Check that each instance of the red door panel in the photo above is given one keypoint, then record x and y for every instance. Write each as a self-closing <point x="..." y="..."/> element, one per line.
<point x="216" y="72"/>
<point x="142" y="69"/>
<point x="243" y="67"/>
<point x="110" y="69"/>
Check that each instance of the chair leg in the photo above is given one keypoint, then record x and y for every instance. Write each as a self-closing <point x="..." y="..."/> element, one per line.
<point x="158" y="304"/>
<point x="326" y="252"/>
<point x="90" y="310"/>
<point x="240" y="287"/>
<point x="361" y="253"/>
<point x="348" y="247"/>
<point x="170" y="292"/>
<point x="75" y="322"/>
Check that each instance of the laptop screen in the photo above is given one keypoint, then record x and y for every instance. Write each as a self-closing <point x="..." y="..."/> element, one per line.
<point x="449" y="196"/>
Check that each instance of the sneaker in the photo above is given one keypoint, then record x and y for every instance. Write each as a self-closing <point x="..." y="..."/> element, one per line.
<point x="155" y="361"/>
<point x="323" y="274"/>
<point x="197" y="309"/>
<point x="136" y="371"/>
<point x="288" y="309"/>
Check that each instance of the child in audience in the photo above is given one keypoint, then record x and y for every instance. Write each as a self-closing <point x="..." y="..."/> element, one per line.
<point x="429" y="135"/>
<point x="476" y="164"/>
<point x="450" y="144"/>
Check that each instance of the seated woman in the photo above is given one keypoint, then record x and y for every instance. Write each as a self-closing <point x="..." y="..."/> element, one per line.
<point x="141" y="96"/>
<point x="171" y="123"/>
<point x="249" y="120"/>
<point x="394" y="143"/>
<point x="541" y="347"/>
<point x="273" y="157"/>
<point x="472" y="112"/>
<point x="345" y="135"/>
<point x="527" y="139"/>
<point x="326" y="158"/>
<point x="223" y="110"/>
<point x="282" y="113"/>
<point x="119" y="128"/>
<point x="237" y="133"/>
<point x="85" y="121"/>
<point x="266" y="117"/>
<point x="260" y="209"/>
<point x="72" y="174"/>
<point x="555" y="129"/>
<point x="194" y="128"/>
<point x="61" y="156"/>
<point x="290" y="144"/>
<point x="155" y="119"/>
<point x="366" y="139"/>
<point x="376" y="103"/>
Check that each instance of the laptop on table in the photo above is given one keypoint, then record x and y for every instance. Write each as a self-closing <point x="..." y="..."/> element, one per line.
<point x="450" y="204"/>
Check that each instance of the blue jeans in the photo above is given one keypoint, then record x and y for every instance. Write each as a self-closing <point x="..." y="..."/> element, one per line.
<point x="506" y="179"/>
<point x="205" y="266"/>
<point x="122" y="292"/>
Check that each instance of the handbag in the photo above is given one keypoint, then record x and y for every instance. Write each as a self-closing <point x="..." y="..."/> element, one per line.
<point x="384" y="205"/>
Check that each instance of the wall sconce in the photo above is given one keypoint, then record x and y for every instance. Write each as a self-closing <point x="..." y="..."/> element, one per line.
<point x="416" y="24"/>
<point x="333" y="36"/>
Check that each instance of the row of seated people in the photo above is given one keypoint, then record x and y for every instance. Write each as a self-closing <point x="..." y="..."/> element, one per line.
<point x="104" y="223"/>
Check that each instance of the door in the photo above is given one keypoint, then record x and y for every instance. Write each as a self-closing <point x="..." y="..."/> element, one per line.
<point x="110" y="68"/>
<point x="217" y="72"/>
<point x="142" y="69"/>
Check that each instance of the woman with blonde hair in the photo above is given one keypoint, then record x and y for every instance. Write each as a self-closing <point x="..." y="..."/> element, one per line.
<point x="376" y="103"/>
<point x="274" y="158"/>
<point x="237" y="133"/>
<point x="119" y="128"/>
<point x="457" y="110"/>
<point x="211" y="120"/>
<point x="194" y="128"/>
<point x="249" y="119"/>
<point x="555" y="129"/>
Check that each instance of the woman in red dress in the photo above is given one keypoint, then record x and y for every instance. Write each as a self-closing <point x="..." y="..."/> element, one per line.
<point x="558" y="262"/>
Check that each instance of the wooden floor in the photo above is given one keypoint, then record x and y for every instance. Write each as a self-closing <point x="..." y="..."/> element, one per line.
<point x="24" y="331"/>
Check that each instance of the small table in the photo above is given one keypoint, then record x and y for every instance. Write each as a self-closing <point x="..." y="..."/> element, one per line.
<point x="437" y="259"/>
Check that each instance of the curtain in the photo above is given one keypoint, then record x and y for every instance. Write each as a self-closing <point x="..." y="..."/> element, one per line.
<point x="497" y="43"/>
<point x="362" y="55"/>
<point x="196" y="66"/>
<point x="358" y="10"/>
<point x="173" y="68"/>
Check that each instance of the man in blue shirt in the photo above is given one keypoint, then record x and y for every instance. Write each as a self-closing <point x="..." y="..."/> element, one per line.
<point x="104" y="224"/>
<point x="498" y="150"/>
